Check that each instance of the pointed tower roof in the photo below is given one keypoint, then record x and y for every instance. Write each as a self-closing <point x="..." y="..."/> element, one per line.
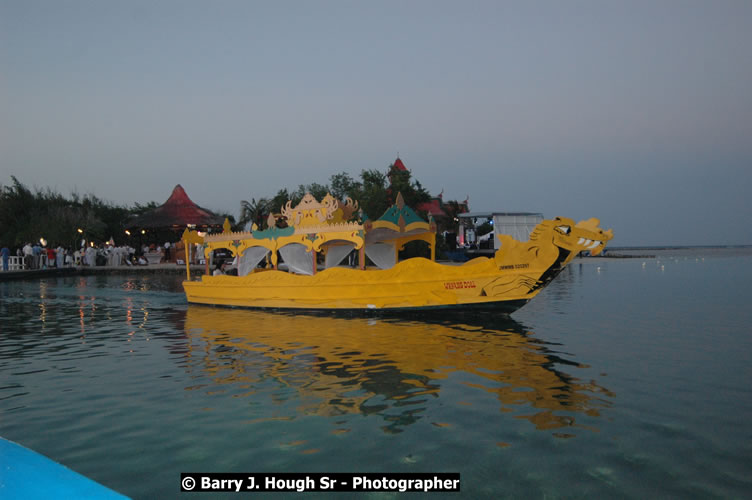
<point x="399" y="165"/>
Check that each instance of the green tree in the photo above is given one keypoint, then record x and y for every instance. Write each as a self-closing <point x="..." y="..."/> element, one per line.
<point x="343" y="185"/>
<point x="375" y="191"/>
<point x="373" y="195"/>
<point x="317" y="190"/>
<point x="279" y="200"/>
<point x="401" y="181"/>
<point x="139" y="209"/>
<point x="254" y="212"/>
<point x="27" y="216"/>
<point x="15" y="202"/>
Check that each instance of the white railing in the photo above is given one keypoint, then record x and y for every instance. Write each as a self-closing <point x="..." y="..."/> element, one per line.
<point x="15" y="263"/>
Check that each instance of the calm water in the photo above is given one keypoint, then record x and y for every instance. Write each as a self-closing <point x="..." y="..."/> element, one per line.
<point x="625" y="378"/>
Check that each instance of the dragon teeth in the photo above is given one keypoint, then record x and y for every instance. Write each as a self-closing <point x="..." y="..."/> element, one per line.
<point x="589" y="244"/>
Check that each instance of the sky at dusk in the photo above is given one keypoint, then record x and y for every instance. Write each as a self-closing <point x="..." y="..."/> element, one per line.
<point x="638" y="113"/>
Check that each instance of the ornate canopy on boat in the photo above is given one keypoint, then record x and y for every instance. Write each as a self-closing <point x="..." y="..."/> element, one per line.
<point x="177" y="212"/>
<point x="312" y="216"/>
<point x="313" y="226"/>
<point x="323" y="227"/>
<point x="386" y="236"/>
<point x="399" y="222"/>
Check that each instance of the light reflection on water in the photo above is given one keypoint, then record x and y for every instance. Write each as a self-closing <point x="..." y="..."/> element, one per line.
<point x="620" y="379"/>
<point x="135" y="383"/>
<point x="386" y="367"/>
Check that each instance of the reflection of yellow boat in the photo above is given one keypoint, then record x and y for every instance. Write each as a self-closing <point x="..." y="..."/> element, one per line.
<point x="516" y="273"/>
<point x="337" y="365"/>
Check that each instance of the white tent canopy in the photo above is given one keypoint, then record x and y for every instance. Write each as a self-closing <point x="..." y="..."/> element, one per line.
<point x="518" y="225"/>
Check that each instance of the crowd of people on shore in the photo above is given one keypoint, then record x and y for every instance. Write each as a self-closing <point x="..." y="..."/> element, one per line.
<point x="37" y="256"/>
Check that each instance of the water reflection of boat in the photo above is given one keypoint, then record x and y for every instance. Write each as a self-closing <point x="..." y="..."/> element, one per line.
<point x="338" y="365"/>
<point x="516" y="273"/>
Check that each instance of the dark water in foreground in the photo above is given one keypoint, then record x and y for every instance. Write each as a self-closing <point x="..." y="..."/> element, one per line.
<point x="625" y="378"/>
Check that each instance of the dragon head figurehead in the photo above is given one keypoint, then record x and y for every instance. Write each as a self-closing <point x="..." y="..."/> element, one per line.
<point x="554" y="242"/>
<point x="575" y="238"/>
<point x="552" y="245"/>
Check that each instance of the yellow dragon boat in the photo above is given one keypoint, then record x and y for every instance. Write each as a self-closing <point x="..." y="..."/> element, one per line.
<point x="321" y="231"/>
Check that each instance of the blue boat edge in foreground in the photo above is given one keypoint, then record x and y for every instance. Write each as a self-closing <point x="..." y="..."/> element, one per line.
<point x="26" y="474"/>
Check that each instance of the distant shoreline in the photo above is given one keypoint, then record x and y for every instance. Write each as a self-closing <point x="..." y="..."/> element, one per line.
<point x="675" y="247"/>
<point x="610" y="255"/>
<point x="169" y="268"/>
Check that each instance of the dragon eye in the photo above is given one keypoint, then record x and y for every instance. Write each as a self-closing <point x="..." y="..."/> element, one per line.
<point x="564" y="229"/>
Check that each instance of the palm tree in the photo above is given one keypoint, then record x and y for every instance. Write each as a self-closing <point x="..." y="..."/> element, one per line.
<point x="253" y="211"/>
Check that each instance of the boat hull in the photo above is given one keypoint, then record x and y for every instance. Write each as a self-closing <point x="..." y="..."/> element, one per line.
<point x="501" y="307"/>
<point x="410" y="285"/>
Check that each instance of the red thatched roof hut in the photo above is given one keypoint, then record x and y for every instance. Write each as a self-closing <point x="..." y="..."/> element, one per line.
<point x="177" y="212"/>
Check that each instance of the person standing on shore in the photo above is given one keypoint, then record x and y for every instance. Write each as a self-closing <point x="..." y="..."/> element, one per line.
<point x="90" y="256"/>
<point x="50" y="257"/>
<point x="60" y="256"/>
<point x="5" y="252"/>
<point x="36" y="252"/>
<point x="28" y="254"/>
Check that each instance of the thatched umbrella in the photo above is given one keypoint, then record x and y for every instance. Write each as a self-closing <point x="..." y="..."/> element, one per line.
<point x="176" y="213"/>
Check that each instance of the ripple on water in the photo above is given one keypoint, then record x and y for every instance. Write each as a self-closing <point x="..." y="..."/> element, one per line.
<point x="126" y="373"/>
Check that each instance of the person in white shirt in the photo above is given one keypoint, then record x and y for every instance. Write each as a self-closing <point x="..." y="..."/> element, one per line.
<point x="219" y="270"/>
<point x="28" y="254"/>
<point x="60" y="256"/>
<point x="90" y="258"/>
